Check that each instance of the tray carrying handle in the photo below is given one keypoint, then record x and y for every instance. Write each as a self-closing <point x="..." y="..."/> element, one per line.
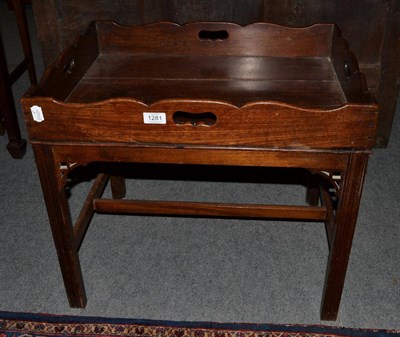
<point x="194" y="119"/>
<point x="213" y="35"/>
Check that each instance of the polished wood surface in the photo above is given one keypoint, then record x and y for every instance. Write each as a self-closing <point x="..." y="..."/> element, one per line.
<point x="372" y="29"/>
<point x="250" y="79"/>
<point x="253" y="100"/>
<point x="180" y="208"/>
<point x="261" y="96"/>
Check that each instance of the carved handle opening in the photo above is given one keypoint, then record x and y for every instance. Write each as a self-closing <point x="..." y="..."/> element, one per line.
<point x="213" y="35"/>
<point x="194" y="119"/>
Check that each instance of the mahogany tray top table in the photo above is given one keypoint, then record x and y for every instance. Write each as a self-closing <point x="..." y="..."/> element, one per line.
<point x="205" y="93"/>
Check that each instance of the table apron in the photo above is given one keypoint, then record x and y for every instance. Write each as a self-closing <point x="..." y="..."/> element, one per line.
<point x="308" y="159"/>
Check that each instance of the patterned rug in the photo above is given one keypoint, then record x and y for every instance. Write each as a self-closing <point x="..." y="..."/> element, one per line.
<point x="42" y="325"/>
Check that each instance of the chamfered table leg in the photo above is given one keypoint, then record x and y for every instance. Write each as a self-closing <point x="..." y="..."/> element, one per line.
<point x="345" y="223"/>
<point x="61" y="225"/>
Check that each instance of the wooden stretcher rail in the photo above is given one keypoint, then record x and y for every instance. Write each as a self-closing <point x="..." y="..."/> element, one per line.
<point x="204" y="209"/>
<point x="87" y="211"/>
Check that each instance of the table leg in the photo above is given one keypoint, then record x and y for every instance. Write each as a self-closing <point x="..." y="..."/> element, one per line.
<point x="61" y="225"/>
<point x="118" y="188"/>
<point x="345" y="223"/>
<point x="312" y="196"/>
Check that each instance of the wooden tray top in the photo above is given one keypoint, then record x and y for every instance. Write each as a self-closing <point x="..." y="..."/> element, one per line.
<point x="216" y="83"/>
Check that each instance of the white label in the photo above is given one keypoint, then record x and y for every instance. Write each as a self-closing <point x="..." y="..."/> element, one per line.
<point x="37" y="113"/>
<point x="154" y="118"/>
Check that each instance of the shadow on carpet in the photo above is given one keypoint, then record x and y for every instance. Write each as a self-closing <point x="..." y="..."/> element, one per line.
<point x="38" y="325"/>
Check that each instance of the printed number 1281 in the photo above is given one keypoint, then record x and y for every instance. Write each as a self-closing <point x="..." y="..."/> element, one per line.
<point x="154" y="118"/>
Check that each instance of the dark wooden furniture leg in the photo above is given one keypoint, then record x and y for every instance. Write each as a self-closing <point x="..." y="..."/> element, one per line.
<point x="118" y="188"/>
<point x="60" y="220"/>
<point x="22" y="24"/>
<point x="16" y="145"/>
<point x="313" y="193"/>
<point x="345" y="223"/>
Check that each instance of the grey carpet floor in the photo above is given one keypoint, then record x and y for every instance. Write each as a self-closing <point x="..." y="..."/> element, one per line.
<point x="199" y="269"/>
